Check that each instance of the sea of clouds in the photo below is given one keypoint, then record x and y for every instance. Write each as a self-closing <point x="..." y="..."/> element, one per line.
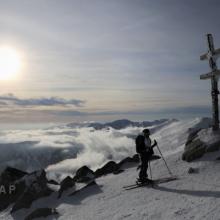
<point x="61" y="150"/>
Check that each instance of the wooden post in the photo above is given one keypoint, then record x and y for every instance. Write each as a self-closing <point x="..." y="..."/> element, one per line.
<point x="215" y="111"/>
<point x="212" y="56"/>
<point x="215" y="92"/>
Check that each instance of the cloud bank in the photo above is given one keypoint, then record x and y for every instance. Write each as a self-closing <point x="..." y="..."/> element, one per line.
<point x="10" y="99"/>
<point x="62" y="150"/>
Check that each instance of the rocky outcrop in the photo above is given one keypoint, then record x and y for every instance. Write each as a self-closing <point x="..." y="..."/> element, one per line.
<point x="194" y="150"/>
<point x="53" y="182"/>
<point x="127" y="160"/>
<point x="11" y="174"/>
<point x="10" y="190"/>
<point x="116" y="168"/>
<point x="136" y="158"/>
<point x="192" y="170"/>
<point x="84" y="174"/>
<point x="67" y="183"/>
<point x="22" y="188"/>
<point x="35" y="187"/>
<point x="109" y="167"/>
<point x="214" y="146"/>
<point x="199" y="142"/>
<point x="41" y="212"/>
<point x="192" y="135"/>
<point x="118" y="171"/>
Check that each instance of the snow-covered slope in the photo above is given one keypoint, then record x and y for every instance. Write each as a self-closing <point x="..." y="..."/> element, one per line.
<point x="193" y="196"/>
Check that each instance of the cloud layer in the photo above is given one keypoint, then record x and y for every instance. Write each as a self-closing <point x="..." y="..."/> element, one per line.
<point x="10" y="99"/>
<point x="62" y="150"/>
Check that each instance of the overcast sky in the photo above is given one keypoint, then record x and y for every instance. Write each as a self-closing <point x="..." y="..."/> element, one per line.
<point x="106" y="59"/>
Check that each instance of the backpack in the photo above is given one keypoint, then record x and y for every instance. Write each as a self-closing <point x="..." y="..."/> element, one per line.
<point x="140" y="145"/>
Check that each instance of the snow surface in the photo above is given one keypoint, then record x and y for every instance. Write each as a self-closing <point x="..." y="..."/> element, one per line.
<point x="193" y="196"/>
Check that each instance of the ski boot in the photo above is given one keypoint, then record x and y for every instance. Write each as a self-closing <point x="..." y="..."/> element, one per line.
<point x="144" y="181"/>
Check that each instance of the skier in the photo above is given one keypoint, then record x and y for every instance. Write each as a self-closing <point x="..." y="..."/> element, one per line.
<point x="145" y="151"/>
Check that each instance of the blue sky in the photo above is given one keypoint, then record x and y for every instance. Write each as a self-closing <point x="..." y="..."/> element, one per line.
<point x="118" y="58"/>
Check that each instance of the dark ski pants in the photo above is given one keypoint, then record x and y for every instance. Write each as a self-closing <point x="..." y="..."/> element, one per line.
<point x="144" y="165"/>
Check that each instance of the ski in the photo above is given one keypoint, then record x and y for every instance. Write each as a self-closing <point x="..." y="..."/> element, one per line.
<point x="137" y="185"/>
<point x="127" y="186"/>
<point x="155" y="182"/>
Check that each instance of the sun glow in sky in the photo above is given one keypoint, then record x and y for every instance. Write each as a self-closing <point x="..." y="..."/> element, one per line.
<point x="116" y="59"/>
<point x="10" y="63"/>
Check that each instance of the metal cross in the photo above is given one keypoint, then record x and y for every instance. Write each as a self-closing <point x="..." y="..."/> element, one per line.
<point x="211" y="56"/>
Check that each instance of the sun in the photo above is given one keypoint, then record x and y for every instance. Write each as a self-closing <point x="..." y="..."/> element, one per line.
<point x="10" y="63"/>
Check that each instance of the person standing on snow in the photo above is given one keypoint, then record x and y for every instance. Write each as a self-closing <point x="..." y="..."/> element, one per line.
<point x="145" y="151"/>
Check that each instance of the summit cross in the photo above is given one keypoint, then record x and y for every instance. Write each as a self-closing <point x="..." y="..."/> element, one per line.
<point x="212" y="56"/>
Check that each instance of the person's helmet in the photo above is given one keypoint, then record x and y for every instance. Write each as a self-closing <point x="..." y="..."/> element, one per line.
<point x="146" y="131"/>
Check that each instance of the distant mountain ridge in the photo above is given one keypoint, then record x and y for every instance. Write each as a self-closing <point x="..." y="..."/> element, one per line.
<point x="119" y="124"/>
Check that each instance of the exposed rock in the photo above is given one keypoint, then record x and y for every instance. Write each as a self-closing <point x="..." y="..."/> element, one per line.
<point x="84" y="174"/>
<point x="201" y="141"/>
<point x="8" y="196"/>
<point x="110" y="167"/>
<point x="35" y="188"/>
<point x="41" y="212"/>
<point x="192" y="135"/>
<point x="11" y="174"/>
<point x="126" y="160"/>
<point x="194" y="150"/>
<point x="67" y="183"/>
<point x="136" y="158"/>
<point x="193" y="170"/>
<point x="92" y="183"/>
<point x="53" y="182"/>
<point x="153" y="157"/>
<point x="10" y="190"/>
<point x="118" y="172"/>
<point x="213" y="147"/>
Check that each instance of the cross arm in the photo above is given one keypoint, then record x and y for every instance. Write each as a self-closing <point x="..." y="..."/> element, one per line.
<point x="210" y="75"/>
<point x="206" y="55"/>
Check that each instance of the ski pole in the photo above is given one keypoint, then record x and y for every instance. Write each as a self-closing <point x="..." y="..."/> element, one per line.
<point x="164" y="161"/>
<point x="150" y="170"/>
